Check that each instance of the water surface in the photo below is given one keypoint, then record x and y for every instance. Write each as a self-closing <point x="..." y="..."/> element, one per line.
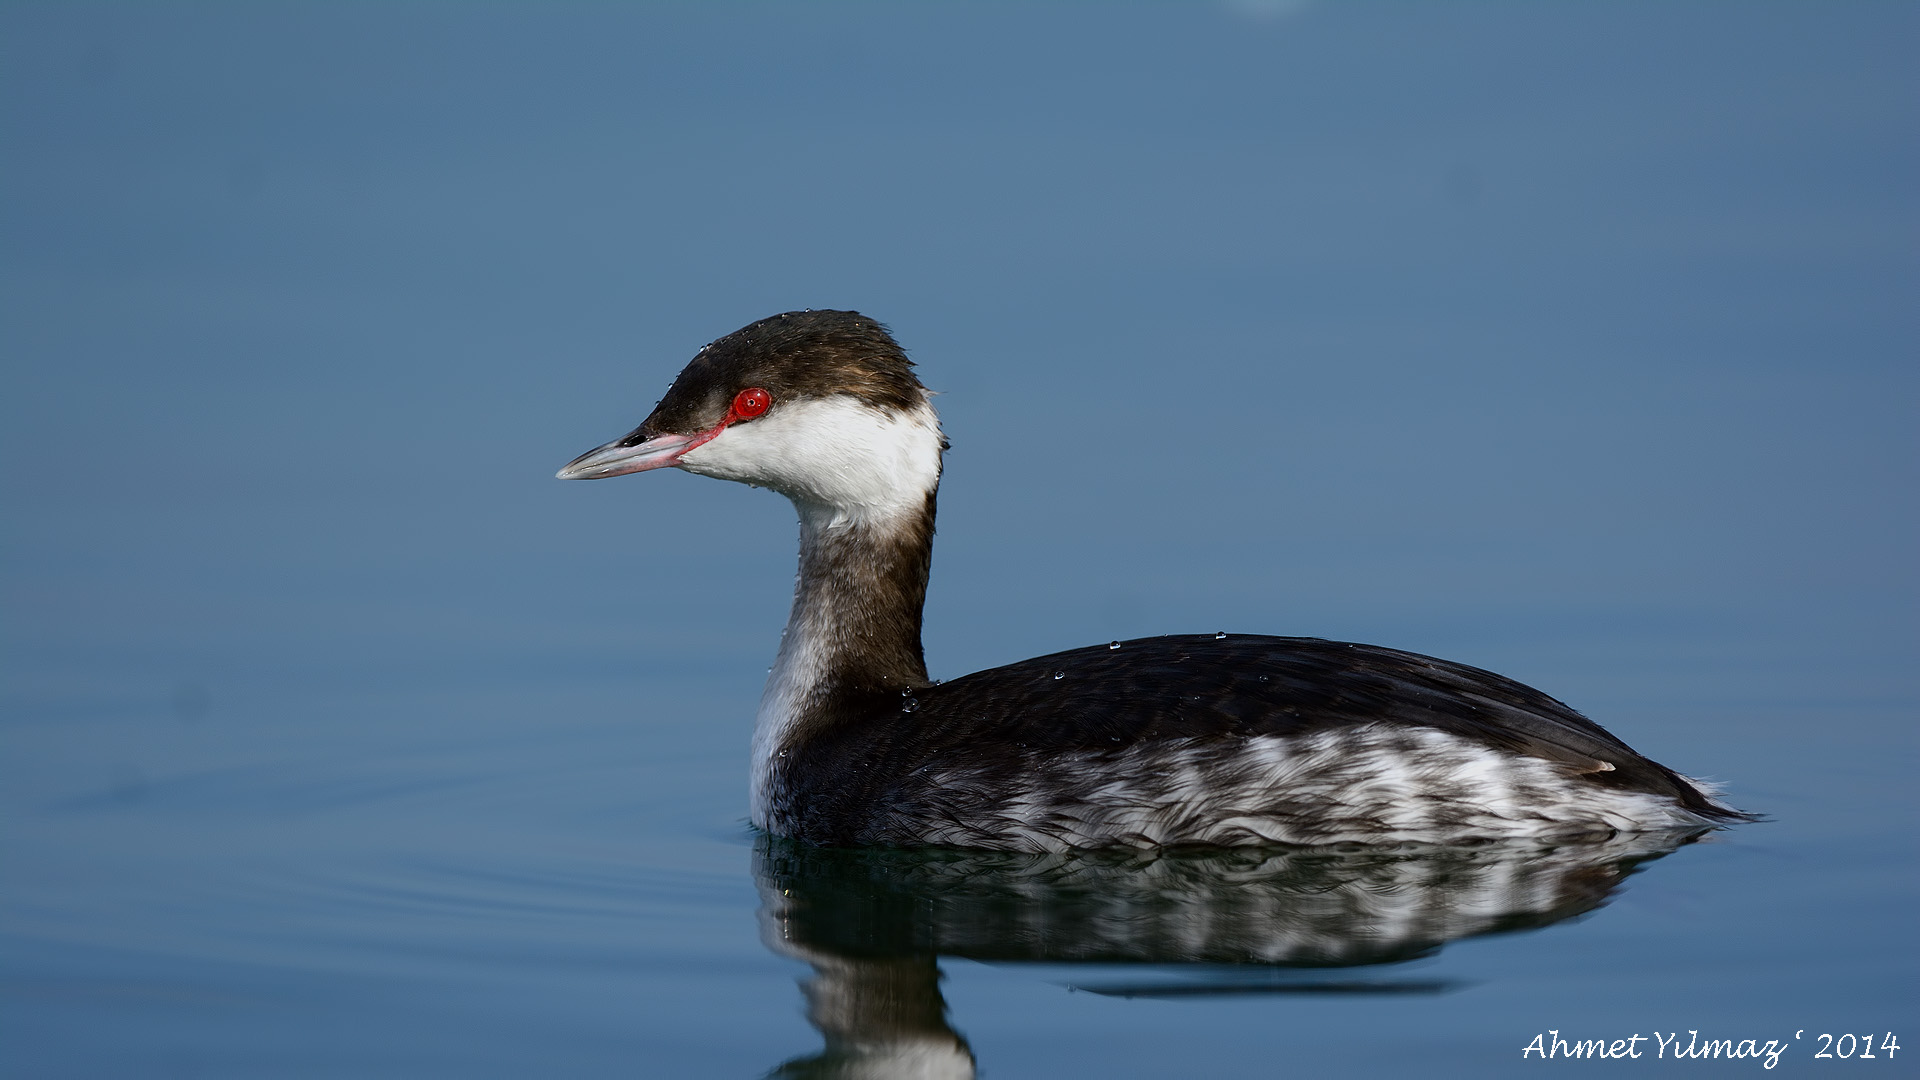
<point x="338" y="740"/>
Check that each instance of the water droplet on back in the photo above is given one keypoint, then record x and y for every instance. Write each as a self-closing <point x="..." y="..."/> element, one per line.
<point x="1059" y="674"/>
<point x="1220" y="634"/>
<point x="910" y="704"/>
<point x="1115" y="645"/>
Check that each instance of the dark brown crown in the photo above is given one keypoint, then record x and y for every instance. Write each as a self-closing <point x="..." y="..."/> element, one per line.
<point x="798" y="355"/>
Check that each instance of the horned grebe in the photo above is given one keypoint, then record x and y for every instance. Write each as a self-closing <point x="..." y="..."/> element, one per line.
<point x="1211" y="739"/>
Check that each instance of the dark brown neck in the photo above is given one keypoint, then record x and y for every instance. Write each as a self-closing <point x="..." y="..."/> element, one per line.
<point x="854" y="631"/>
<point x="858" y="601"/>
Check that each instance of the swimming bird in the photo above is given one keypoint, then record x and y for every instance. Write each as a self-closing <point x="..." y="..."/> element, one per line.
<point x="1214" y="739"/>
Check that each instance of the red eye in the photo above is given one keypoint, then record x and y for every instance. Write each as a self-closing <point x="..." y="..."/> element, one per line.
<point x="750" y="403"/>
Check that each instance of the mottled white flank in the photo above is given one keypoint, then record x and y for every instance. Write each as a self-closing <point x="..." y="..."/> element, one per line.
<point x="845" y="465"/>
<point x="1370" y="784"/>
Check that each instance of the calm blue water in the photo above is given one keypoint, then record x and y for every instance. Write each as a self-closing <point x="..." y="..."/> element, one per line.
<point x="1574" y="342"/>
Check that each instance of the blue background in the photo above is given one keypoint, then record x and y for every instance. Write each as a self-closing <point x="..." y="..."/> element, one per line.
<point x="1572" y="341"/>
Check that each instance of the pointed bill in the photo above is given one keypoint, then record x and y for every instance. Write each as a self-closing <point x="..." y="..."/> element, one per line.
<point x="623" y="456"/>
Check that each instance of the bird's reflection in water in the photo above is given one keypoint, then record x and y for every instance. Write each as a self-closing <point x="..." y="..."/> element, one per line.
<point x="871" y="922"/>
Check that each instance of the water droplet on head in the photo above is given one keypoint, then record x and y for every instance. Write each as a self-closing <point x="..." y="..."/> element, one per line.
<point x="1059" y="674"/>
<point x="910" y="704"/>
<point x="1115" y="645"/>
<point x="1263" y="678"/>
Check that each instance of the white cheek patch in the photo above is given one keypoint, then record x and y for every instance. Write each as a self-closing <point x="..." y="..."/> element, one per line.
<point x="835" y="452"/>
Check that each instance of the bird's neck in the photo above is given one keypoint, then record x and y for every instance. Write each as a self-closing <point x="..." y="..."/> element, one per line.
<point x="854" y="630"/>
<point x="858" y="599"/>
